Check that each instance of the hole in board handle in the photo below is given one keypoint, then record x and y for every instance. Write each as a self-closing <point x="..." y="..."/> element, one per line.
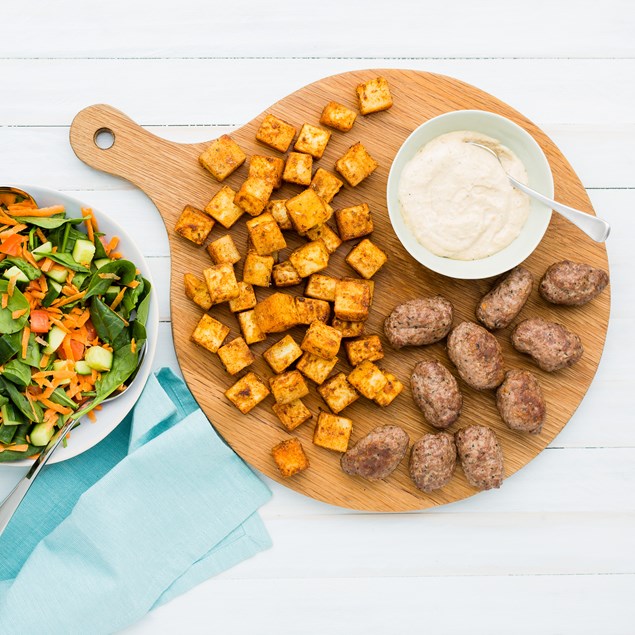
<point x="104" y="138"/>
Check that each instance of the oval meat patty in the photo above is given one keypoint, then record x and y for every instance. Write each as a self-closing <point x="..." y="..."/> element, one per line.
<point x="550" y="344"/>
<point x="377" y="455"/>
<point x="572" y="283"/>
<point x="520" y="402"/>
<point x="477" y="356"/>
<point x="432" y="461"/>
<point x="419" y="322"/>
<point x="437" y="393"/>
<point x="503" y="303"/>
<point x="481" y="456"/>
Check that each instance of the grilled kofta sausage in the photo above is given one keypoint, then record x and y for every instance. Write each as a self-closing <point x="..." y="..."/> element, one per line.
<point x="503" y="303"/>
<point x="477" y="356"/>
<point x="551" y="345"/>
<point x="377" y="455"/>
<point x="520" y="402"/>
<point x="432" y="461"/>
<point x="481" y="456"/>
<point x="437" y="393"/>
<point x="419" y="322"/>
<point x="572" y="283"/>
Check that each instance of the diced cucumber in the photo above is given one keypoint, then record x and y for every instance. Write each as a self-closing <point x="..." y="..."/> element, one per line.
<point x="54" y="289"/>
<point x="17" y="372"/>
<point x="11" y="416"/>
<point x="83" y="252"/>
<point x="98" y="358"/>
<point x="58" y="273"/>
<point x="55" y="339"/>
<point x="111" y="293"/>
<point x="63" y="364"/>
<point x="82" y="368"/>
<point x="100" y="262"/>
<point x="43" y="250"/>
<point x="14" y="271"/>
<point x="41" y="434"/>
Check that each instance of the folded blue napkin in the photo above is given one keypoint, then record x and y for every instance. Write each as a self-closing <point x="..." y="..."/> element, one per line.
<point x="157" y="507"/>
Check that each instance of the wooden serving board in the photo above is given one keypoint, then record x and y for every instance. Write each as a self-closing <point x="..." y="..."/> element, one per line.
<point x="170" y="175"/>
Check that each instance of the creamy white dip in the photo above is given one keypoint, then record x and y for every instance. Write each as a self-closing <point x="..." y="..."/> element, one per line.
<point x="456" y="199"/>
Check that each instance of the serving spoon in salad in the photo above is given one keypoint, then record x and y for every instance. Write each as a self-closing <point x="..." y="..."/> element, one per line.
<point x="594" y="227"/>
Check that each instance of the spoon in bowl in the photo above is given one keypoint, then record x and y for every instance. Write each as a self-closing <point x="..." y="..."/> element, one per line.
<point x="594" y="227"/>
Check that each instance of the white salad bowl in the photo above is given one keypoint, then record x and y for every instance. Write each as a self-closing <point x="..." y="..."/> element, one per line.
<point x="89" y="434"/>
<point x="540" y="178"/>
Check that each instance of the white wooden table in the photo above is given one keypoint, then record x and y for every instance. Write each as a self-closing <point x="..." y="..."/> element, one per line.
<point x="552" y="551"/>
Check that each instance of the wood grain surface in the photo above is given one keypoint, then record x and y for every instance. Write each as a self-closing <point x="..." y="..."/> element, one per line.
<point x="170" y="175"/>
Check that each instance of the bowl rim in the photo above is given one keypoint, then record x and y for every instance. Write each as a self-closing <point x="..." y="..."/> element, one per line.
<point x="501" y="261"/>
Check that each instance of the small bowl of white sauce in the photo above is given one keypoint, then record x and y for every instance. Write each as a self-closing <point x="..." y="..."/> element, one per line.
<point x="451" y="204"/>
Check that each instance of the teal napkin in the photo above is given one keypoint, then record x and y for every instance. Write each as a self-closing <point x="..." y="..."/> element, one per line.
<point x="157" y="507"/>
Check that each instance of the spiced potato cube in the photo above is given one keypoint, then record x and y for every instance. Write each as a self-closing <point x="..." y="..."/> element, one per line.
<point x="196" y="290"/>
<point x="367" y="379"/>
<point x="245" y="300"/>
<point x="338" y="393"/>
<point x="321" y="287"/>
<point x="298" y="168"/>
<point x="222" y="157"/>
<point x="276" y="313"/>
<point x="389" y="392"/>
<point x="310" y="258"/>
<point x="222" y="207"/>
<point x="257" y="269"/>
<point x="338" y="116"/>
<point x="249" y="328"/>
<point x="210" y="333"/>
<point x="374" y="95"/>
<point x="282" y="354"/>
<point x="266" y="168"/>
<point x="194" y="225"/>
<point x="292" y="414"/>
<point x="236" y="356"/>
<point x="324" y="233"/>
<point x="307" y="210"/>
<point x="354" y="222"/>
<point x="288" y="387"/>
<point x="224" y="249"/>
<point x="221" y="283"/>
<point x="278" y="209"/>
<point x="352" y="300"/>
<point x="289" y="457"/>
<point x="253" y="195"/>
<point x="309" y="310"/>
<point x="312" y="140"/>
<point x="316" y="368"/>
<point x="332" y="432"/>
<point x="347" y="328"/>
<point x="321" y="340"/>
<point x="366" y="258"/>
<point x="247" y="392"/>
<point x="275" y="133"/>
<point x="356" y="164"/>
<point x="285" y="275"/>
<point x="325" y="184"/>
<point x="265" y="235"/>
<point x="364" y="348"/>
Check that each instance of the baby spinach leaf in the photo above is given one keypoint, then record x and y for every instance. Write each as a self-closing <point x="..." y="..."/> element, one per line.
<point x="52" y="222"/>
<point x="108" y="324"/>
<point x="16" y="302"/>
<point x="100" y="250"/>
<point x="31" y="272"/>
<point x="21" y="402"/>
<point x="123" y="269"/>
<point x="68" y="261"/>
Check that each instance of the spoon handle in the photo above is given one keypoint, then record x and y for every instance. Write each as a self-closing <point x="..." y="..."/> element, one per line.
<point x="592" y="226"/>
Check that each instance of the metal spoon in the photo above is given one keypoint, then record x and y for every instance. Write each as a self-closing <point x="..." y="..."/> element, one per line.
<point x="592" y="226"/>
<point x="4" y="189"/>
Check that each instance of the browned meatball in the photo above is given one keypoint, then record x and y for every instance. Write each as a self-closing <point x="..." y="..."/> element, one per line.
<point x="503" y="303"/>
<point x="377" y="455"/>
<point x="432" y="461"/>
<point x="481" y="456"/>
<point x="419" y="322"/>
<point x="520" y="402"/>
<point x="437" y="393"/>
<point x="572" y="283"/>
<point x="477" y="356"/>
<point x="551" y="345"/>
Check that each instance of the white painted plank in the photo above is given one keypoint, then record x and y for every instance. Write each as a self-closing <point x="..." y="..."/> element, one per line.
<point x="247" y="28"/>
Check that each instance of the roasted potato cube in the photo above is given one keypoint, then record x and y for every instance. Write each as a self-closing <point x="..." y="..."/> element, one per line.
<point x="354" y="222"/>
<point x="356" y="164"/>
<point x="194" y="225"/>
<point x="324" y="233"/>
<point x="371" y="288"/>
<point x="332" y="432"/>
<point x="321" y="340"/>
<point x="321" y="287"/>
<point x="373" y="96"/>
<point x="367" y="379"/>
<point x="288" y="387"/>
<point x="266" y="168"/>
<point x="316" y="368"/>
<point x="222" y="157"/>
<point x="282" y="354"/>
<point x="348" y="329"/>
<point x="364" y="348"/>
<point x="309" y="310"/>
<point x="325" y="184"/>
<point x="236" y="356"/>
<point x="245" y="300"/>
<point x="247" y="392"/>
<point x="210" y="333"/>
<point x="276" y="313"/>
<point x="298" y="168"/>
<point x="265" y="235"/>
<point x="253" y="195"/>
<point x="249" y="328"/>
<point x="221" y="283"/>
<point x="278" y="209"/>
<point x="338" y="393"/>
<point x="352" y="300"/>
<point x="307" y="210"/>
<point x="285" y="275"/>
<point x="389" y="392"/>
<point x="222" y="207"/>
<point x="292" y="414"/>
<point x="312" y="140"/>
<point x="275" y="133"/>
<point x="196" y="290"/>
<point x="309" y="258"/>
<point x="366" y="258"/>
<point x="290" y="458"/>
<point x="257" y="269"/>
<point x="337" y="116"/>
<point x="223" y="249"/>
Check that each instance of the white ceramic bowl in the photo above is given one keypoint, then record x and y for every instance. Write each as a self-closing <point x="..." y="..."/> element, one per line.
<point x="540" y="178"/>
<point x="88" y="434"/>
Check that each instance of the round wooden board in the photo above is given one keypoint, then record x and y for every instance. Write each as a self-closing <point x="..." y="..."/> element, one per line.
<point x="170" y="175"/>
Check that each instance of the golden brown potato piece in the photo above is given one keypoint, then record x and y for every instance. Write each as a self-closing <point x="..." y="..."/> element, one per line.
<point x="307" y="210"/>
<point x="285" y="275"/>
<point x="292" y="414"/>
<point x="236" y="356"/>
<point x="288" y="387"/>
<point x="325" y="184"/>
<point x="249" y="327"/>
<point x="367" y="379"/>
<point x="364" y="348"/>
<point x="356" y="164"/>
<point x="338" y="116"/>
<point x="321" y="287"/>
<point x="222" y="207"/>
<point x="224" y="249"/>
<point x="389" y="392"/>
<point x="366" y="258"/>
<point x="338" y="393"/>
<point x="196" y="290"/>
<point x="354" y="222"/>
<point x="348" y="329"/>
<point x="316" y="368"/>
<point x="298" y="168"/>
<point x="321" y="340"/>
<point x="265" y="235"/>
<point x="310" y="258"/>
<point x="374" y="95"/>
<point x="222" y="157"/>
<point x="352" y="300"/>
<point x="247" y="392"/>
<point x="324" y="233"/>
<point x="257" y="269"/>
<point x="266" y="168"/>
<point x="194" y="225"/>
<point x="276" y="313"/>
<point x="253" y="195"/>
<point x="312" y="140"/>
<point x="289" y="457"/>
<point x="332" y="432"/>
<point x="275" y="133"/>
<point x="309" y="310"/>
<point x="210" y="333"/>
<point x="246" y="298"/>
<point x="282" y="354"/>
<point x="221" y="283"/>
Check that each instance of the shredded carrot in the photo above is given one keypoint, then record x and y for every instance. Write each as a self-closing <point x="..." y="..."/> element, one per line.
<point x="112" y="245"/>
<point x="26" y="333"/>
<point x="7" y="220"/>
<point x="47" y="265"/>
<point x="5" y="300"/>
<point x="28" y="257"/>
<point x="18" y="313"/>
<point x="133" y="346"/>
<point x="72" y="298"/>
<point x="116" y="255"/>
<point x="15" y="210"/>
<point x="66" y="346"/>
<point x="117" y="301"/>
<point x="44" y="360"/>
<point x="40" y="234"/>
<point x="14" y="230"/>
<point x="18" y="448"/>
<point x="62" y="410"/>
<point x="59" y="323"/>
<point x="133" y="285"/>
<point x="11" y="286"/>
<point x="69" y="278"/>
<point x="91" y="416"/>
<point x="44" y="286"/>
